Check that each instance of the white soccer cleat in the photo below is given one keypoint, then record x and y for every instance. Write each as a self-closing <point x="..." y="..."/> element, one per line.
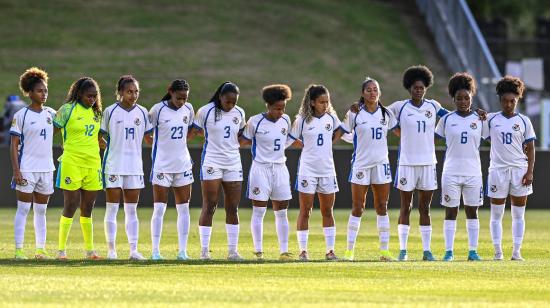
<point x="499" y="256"/>
<point x="234" y="256"/>
<point x="136" y="256"/>
<point x="112" y="255"/>
<point x="516" y="256"/>
<point x="205" y="255"/>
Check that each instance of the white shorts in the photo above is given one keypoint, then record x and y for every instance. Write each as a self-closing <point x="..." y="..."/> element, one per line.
<point x="455" y="186"/>
<point x="409" y="178"/>
<point x="40" y="182"/>
<point x="379" y="174"/>
<point x="502" y="182"/>
<point x="268" y="181"/>
<point x="311" y="184"/>
<point x="227" y="175"/>
<point x="172" y="179"/>
<point x="123" y="181"/>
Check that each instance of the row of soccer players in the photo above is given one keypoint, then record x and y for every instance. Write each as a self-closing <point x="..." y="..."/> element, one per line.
<point x="121" y="127"/>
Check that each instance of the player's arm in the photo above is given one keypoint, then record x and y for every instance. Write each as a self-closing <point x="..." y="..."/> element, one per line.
<point x="148" y="138"/>
<point x="530" y="152"/>
<point x="102" y="142"/>
<point x="14" y="155"/>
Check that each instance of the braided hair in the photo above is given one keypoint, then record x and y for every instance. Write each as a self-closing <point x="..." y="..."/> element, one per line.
<point x="313" y="92"/>
<point x="78" y="87"/>
<point x="224" y="88"/>
<point x="122" y="82"/>
<point x="362" y="99"/>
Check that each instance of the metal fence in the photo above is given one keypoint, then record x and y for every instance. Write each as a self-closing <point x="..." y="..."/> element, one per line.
<point x="462" y="45"/>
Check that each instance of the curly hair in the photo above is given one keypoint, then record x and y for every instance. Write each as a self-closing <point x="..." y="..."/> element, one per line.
<point x="77" y="89"/>
<point x="275" y="93"/>
<point x="122" y="82"/>
<point x="510" y="84"/>
<point x="462" y="81"/>
<point x="313" y="92"/>
<point x="30" y="78"/>
<point x="417" y="73"/>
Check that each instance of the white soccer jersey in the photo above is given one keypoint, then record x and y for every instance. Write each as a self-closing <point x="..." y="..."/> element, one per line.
<point x="170" y="153"/>
<point x="316" y="159"/>
<point x="221" y="136"/>
<point x="268" y="138"/>
<point x="462" y="136"/>
<point x="35" y="130"/>
<point x="508" y="135"/>
<point x="417" y="125"/>
<point x="370" y="130"/>
<point x="125" y="130"/>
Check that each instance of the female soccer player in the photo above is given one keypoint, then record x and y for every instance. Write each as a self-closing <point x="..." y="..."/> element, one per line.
<point x="79" y="171"/>
<point x="125" y="124"/>
<point x="172" y="164"/>
<point x="268" y="133"/>
<point x="32" y="162"/>
<point x="511" y="168"/>
<point x="317" y="127"/>
<point x="222" y="122"/>
<point x="416" y="167"/>
<point x="370" y="164"/>
<point x="462" y="131"/>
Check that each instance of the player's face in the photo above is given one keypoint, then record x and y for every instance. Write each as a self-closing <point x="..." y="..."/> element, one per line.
<point x="179" y="98"/>
<point x="89" y="97"/>
<point x="508" y="103"/>
<point x="228" y="101"/>
<point x="130" y="93"/>
<point x="371" y="93"/>
<point x="418" y="90"/>
<point x="276" y="110"/>
<point x="320" y="105"/>
<point x="39" y="94"/>
<point x="463" y="100"/>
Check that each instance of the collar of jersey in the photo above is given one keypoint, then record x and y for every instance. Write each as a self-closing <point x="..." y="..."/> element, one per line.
<point x="168" y="105"/>
<point x="127" y="110"/>
<point x="515" y="114"/>
<point x="28" y="107"/>
<point x="412" y="104"/>
<point x="264" y="114"/>
<point x="469" y="114"/>
<point x="83" y="105"/>
<point x="313" y="115"/>
<point x="375" y="110"/>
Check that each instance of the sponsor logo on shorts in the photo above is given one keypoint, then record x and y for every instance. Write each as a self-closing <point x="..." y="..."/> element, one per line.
<point x="493" y="188"/>
<point x="447" y="198"/>
<point x="428" y="114"/>
<point x="403" y="181"/>
<point x="236" y="120"/>
<point x="49" y="120"/>
<point x="68" y="180"/>
<point x="137" y="121"/>
<point x="24" y="182"/>
<point x="185" y="119"/>
<point x="473" y="125"/>
<point x="160" y="176"/>
<point x="113" y="178"/>
<point x="256" y="190"/>
<point x="515" y="127"/>
<point x="328" y="126"/>
<point x="283" y="131"/>
<point x="210" y="170"/>
<point x="304" y="183"/>
<point x="360" y="175"/>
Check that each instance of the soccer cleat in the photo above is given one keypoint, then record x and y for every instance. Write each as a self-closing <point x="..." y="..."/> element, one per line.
<point x="112" y="255"/>
<point x="428" y="256"/>
<point x="349" y="255"/>
<point x="516" y="256"/>
<point x="498" y="256"/>
<point x="448" y="257"/>
<point x="331" y="256"/>
<point x="234" y="256"/>
<point x="182" y="256"/>
<point x="205" y="255"/>
<point x="92" y="255"/>
<point x="42" y="254"/>
<point x="259" y="255"/>
<point x="20" y="255"/>
<point x="403" y="255"/>
<point x="286" y="256"/>
<point x="386" y="256"/>
<point x="304" y="256"/>
<point x="156" y="256"/>
<point x="473" y="256"/>
<point x="61" y="255"/>
<point x="136" y="256"/>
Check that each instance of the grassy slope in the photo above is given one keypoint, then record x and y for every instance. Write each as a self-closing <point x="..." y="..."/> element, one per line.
<point x="271" y="283"/>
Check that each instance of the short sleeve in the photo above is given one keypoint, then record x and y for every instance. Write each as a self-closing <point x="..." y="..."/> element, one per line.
<point x="191" y="113"/>
<point x="105" y="122"/>
<point x="486" y="129"/>
<point x="338" y="124"/>
<point x="529" y="134"/>
<point x="296" y="131"/>
<point x="62" y="115"/>
<point x="392" y="120"/>
<point x="347" y="122"/>
<point x="17" y="124"/>
<point x="395" y="108"/>
<point x="440" y="128"/>
<point x="199" y="118"/>
<point x="153" y="116"/>
<point x="243" y="123"/>
<point x="148" y="125"/>
<point x="249" y="130"/>
<point x="439" y="110"/>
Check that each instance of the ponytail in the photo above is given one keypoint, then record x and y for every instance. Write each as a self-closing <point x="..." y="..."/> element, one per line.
<point x="226" y="87"/>
<point x="176" y="85"/>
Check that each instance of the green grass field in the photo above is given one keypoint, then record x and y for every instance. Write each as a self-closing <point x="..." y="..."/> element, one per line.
<point x="271" y="283"/>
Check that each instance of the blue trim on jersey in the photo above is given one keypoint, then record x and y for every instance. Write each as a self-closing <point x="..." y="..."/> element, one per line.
<point x="289" y="135"/>
<point x="342" y="128"/>
<point x="127" y="110"/>
<point x="22" y="138"/>
<point x="58" y="176"/>
<point x="203" y="154"/>
<point x="529" y="140"/>
<point x="401" y="110"/>
<point x="103" y="132"/>
<point x="196" y="126"/>
<point x="244" y="137"/>
<point x="302" y="130"/>
<point x="524" y="125"/>
<point x="15" y="133"/>
<point x="155" y="143"/>
<point x="149" y="131"/>
<point x="439" y="136"/>
<point x="144" y="121"/>
<point x="396" y="180"/>
<point x="354" y="154"/>
<point x="111" y="114"/>
<point x="254" y="137"/>
<point x="105" y="162"/>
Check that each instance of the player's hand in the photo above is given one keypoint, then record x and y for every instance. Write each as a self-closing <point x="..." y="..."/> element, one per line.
<point x="527" y="179"/>
<point x="102" y="143"/>
<point x="18" y="177"/>
<point x="355" y="107"/>
<point x="482" y="114"/>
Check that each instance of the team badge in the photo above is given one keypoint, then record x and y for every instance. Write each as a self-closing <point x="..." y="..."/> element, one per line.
<point x="447" y="198"/>
<point x="13" y="122"/>
<point x="185" y="119"/>
<point x="304" y="183"/>
<point x="68" y="180"/>
<point x="328" y="126"/>
<point x="403" y="181"/>
<point x="283" y="131"/>
<point x="236" y="120"/>
<point x="383" y="122"/>
<point x="515" y="127"/>
<point x="24" y="182"/>
<point x="49" y="120"/>
<point x="473" y="125"/>
<point x="493" y="188"/>
<point x="428" y="114"/>
<point x="360" y="175"/>
<point x="210" y="170"/>
<point x="96" y="118"/>
<point x="113" y="178"/>
<point x="256" y="190"/>
<point x="160" y="176"/>
<point x="137" y="121"/>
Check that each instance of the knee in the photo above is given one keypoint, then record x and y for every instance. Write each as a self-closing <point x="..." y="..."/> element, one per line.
<point x="209" y="208"/>
<point x="305" y="213"/>
<point x="451" y="213"/>
<point x="424" y="210"/>
<point x="381" y="208"/>
<point x="357" y="211"/>
<point x="327" y="213"/>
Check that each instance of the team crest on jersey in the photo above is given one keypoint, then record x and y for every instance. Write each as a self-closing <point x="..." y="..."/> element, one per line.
<point x="304" y="183"/>
<point x="13" y="122"/>
<point x="137" y="121"/>
<point x="24" y="182"/>
<point x="447" y="198"/>
<point x="96" y="118"/>
<point x="236" y="120"/>
<point x="185" y="119"/>
<point x="113" y="178"/>
<point x="403" y="181"/>
<point x="328" y="126"/>
<point x="473" y="125"/>
<point x="49" y="120"/>
<point x="256" y="190"/>
<point x="210" y="170"/>
<point x="283" y="131"/>
<point x="160" y="176"/>
<point x="428" y="114"/>
<point x="515" y="127"/>
<point x="493" y="188"/>
<point x="68" y="180"/>
<point x="360" y="175"/>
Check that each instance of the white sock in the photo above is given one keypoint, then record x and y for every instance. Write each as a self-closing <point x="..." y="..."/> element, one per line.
<point x="472" y="225"/>
<point x="232" y="237"/>
<point x="497" y="212"/>
<point x="518" y="226"/>
<point x="156" y="225"/>
<point x="281" y="224"/>
<point x="109" y="222"/>
<point x="403" y="232"/>
<point x="184" y="221"/>
<point x="40" y="225"/>
<point x="20" y="221"/>
<point x="449" y="231"/>
<point x="354" y="223"/>
<point x="426" y="233"/>
<point x="302" y="236"/>
<point x="383" y="225"/>
<point x="131" y="223"/>
<point x="330" y="237"/>
<point x="257" y="226"/>
<point x="204" y="234"/>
